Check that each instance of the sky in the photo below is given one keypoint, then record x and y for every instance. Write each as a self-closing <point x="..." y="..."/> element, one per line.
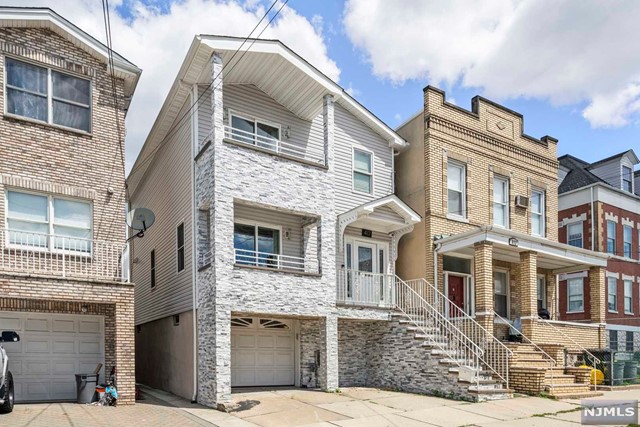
<point x="571" y="67"/>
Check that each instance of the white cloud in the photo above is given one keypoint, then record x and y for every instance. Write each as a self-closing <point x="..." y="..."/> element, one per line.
<point x="567" y="52"/>
<point x="352" y="90"/>
<point x="158" y="43"/>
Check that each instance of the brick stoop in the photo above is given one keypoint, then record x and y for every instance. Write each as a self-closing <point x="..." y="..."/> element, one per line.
<point x="530" y="373"/>
<point x="480" y="386"/>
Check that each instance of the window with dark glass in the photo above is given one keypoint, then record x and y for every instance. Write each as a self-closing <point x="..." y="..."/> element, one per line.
<point x="47" y="95"/>
<point x="574" y="234"/>
<point x="613" y="339"/>
<point x="152" y="263"/>
<point x="627" y="232"/>
<point x="611" y="237"/>
<point x="256" y="245"/>
<point x="627" y="179"/>
<point x="575" y="295"/>
<point x="456" y="189"/>
<point x="612" y="294"/>
<point x="501" y="292"/>
<point x="180" y="247"/>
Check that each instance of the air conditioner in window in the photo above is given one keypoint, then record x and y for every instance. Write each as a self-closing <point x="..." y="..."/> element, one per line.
<point x="522" y="202"/>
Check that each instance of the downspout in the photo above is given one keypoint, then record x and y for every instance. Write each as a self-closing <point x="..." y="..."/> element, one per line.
<point x="593" y="224"/>
<point x="194" y="254"/>
<point x="436" y="247"/>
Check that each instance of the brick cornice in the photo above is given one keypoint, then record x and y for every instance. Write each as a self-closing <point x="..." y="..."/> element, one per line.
<point x="46" y="186"/>
<point x="463" y="132"/>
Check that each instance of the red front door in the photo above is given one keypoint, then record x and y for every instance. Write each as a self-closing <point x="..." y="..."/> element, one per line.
<point x="456" y="295"/>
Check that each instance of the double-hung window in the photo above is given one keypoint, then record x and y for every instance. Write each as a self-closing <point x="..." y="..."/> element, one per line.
<point x="46" y="95"/>
<point x="574" y="234"/>
<point x="627" y="232"/>
<point x="255" y="132"/>
<point x="628" y="297"/>
<point x="48" y="222"/>
<point x="180" y="247"/>
<point x="612" y="294"/>
<point x="501" y="293"/>
<point x="501" y="202"/>
<point x="537" y="213"/>
<point x="627" y="179"/>
<point x="456" y="189"/>
<point x="611" y="237"/>
<point x="256" y="245"/>
<point x="575" y="295"/>
<point x="362" y="171"/>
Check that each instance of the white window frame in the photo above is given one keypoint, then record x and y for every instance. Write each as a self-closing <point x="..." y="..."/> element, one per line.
<point x="256" y="225"/>
<point x="612" y="281"/>
<point x="575" y="279"/>
<point x="543" y="201"/>
<point x="463" y="185"/>
<point x="351" y="257"/>
<point x="623" y="180"/>
<point x="628" y="297"/>
<point x="614" y="237"/>
<point x="505" y="182"/>
<point x="579" y="224"/>
<point x="50" y="97"/>
<point x="255" y="121"/>
<point x="627" y="242"/>
<point x="354" y="170"/>
<point x="183" y="247"/>
<point x="51" y="223"/>
<point x="507" y="295"/>
<point x="540" y="277"/>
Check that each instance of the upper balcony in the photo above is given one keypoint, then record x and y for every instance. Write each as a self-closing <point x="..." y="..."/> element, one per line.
<point x="60" y="256"/>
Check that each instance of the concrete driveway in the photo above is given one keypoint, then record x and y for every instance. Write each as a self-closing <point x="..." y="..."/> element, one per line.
<point x="352" y="407"/>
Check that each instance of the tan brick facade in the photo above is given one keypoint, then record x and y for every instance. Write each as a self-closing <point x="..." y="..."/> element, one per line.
<point x="50" y="160"/>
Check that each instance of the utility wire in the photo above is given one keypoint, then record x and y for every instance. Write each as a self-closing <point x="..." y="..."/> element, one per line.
<point x="189" y="113"/>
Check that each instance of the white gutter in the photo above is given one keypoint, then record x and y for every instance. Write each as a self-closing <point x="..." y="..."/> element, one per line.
<point x="194" y="254"/>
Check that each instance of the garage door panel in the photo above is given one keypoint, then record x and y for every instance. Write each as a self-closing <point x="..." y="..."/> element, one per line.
<point x="52" y="349"/>
<point x="245" y="341"/>
<point x="285" y="342"/>
<point x="64" y="347"/>
<point x="283" y="358"/>
<point x="264" y="358"/>
<point x="89" y="347"/>
<point x="36" y="325"/>
<point x="243" y="377"/>
<point x="283" y="377"/>
<point x="64" y="326"/>
<point x="265" y="341"/>
<point x="245" y="358"/>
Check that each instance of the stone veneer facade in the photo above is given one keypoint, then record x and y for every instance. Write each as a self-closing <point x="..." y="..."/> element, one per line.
<point x="46" y="159"/>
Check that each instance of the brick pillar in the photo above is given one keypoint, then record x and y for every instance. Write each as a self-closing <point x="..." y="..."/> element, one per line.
<point x="527" y="292"/>
<point x="483" y="277"/>
<point x="125" y="352"/>
<point x="328" y="369"/>
<point x="598" y="294"/>
<point x="552" y="297"/>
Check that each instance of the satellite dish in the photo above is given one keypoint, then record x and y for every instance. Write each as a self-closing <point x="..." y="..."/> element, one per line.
<point x="140" y="219"/>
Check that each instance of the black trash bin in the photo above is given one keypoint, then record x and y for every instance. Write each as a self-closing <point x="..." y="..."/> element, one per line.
<point x="86" y="387"/>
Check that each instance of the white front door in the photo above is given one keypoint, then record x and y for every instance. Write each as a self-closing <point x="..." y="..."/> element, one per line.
<point x="366" y="259"/>
<point x="52" y="349"/>
<point x="262" y="352"/>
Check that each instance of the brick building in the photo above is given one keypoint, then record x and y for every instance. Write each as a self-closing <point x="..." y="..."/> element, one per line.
<point x="599" y="209"/>
<point x="63" y="276"/>
<point x="488" y="243"/>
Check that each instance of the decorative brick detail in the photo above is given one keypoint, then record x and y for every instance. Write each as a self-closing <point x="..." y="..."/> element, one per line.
<point x="47" y="187"/>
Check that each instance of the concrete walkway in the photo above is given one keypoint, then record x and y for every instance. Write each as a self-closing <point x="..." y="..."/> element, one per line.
<point x="353" y="407"/>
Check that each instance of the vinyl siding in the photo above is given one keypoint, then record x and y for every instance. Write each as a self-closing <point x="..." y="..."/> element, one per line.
<point x="166" y="190"/>
<point x="611" y="172"/>
<point x="349" y="133"/>
<point x="293" y="246"/>
<point x="251" y="102"/>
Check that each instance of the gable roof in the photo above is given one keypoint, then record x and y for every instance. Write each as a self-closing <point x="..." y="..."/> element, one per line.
<point x="44" y="17"/>
<point x="269" y="64"/>
<point x="630" y="153"/>
<point x="578" y="176"/>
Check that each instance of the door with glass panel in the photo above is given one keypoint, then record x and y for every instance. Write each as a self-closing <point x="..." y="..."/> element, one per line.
<point x="366" y="281"/>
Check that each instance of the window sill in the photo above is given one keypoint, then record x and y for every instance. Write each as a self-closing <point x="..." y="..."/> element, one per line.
<point x="575" y="312"/>
<point x="613" y="312"/>
<point x="50" y="125"/>
<point x="628" y="313"/>
<point x="275" y="270"/>
<point x="457" y="218"/>
<point x="274" y="154"/>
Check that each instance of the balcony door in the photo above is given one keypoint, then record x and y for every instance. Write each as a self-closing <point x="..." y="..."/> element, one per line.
<point x="366" y="267"/>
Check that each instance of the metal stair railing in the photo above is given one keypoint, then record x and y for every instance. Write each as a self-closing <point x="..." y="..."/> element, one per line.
<point x="494" y="355"/>
<point x="594" y="359"/>
<point x="444" y="334"/>
<point x="546" y="358"/>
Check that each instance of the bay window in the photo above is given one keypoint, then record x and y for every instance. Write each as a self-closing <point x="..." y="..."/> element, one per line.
<point x="501" y="202"/>
<point x="456" y="189"/>
<point x="537" y="213"/>
<point x="47" y="95"/>
<point x="48" y="222"/>
<point x="575" y="295"/>
<point x="362" y="171"/>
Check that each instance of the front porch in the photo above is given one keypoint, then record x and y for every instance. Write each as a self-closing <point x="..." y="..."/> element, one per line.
<point x="500" y="277"/>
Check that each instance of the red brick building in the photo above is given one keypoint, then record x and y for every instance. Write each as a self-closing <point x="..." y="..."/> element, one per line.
<point x="599" y="209"/>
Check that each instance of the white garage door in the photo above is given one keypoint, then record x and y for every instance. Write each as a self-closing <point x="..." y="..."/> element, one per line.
<point x="262" y="352"/>
<point x="52" y="348"/>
